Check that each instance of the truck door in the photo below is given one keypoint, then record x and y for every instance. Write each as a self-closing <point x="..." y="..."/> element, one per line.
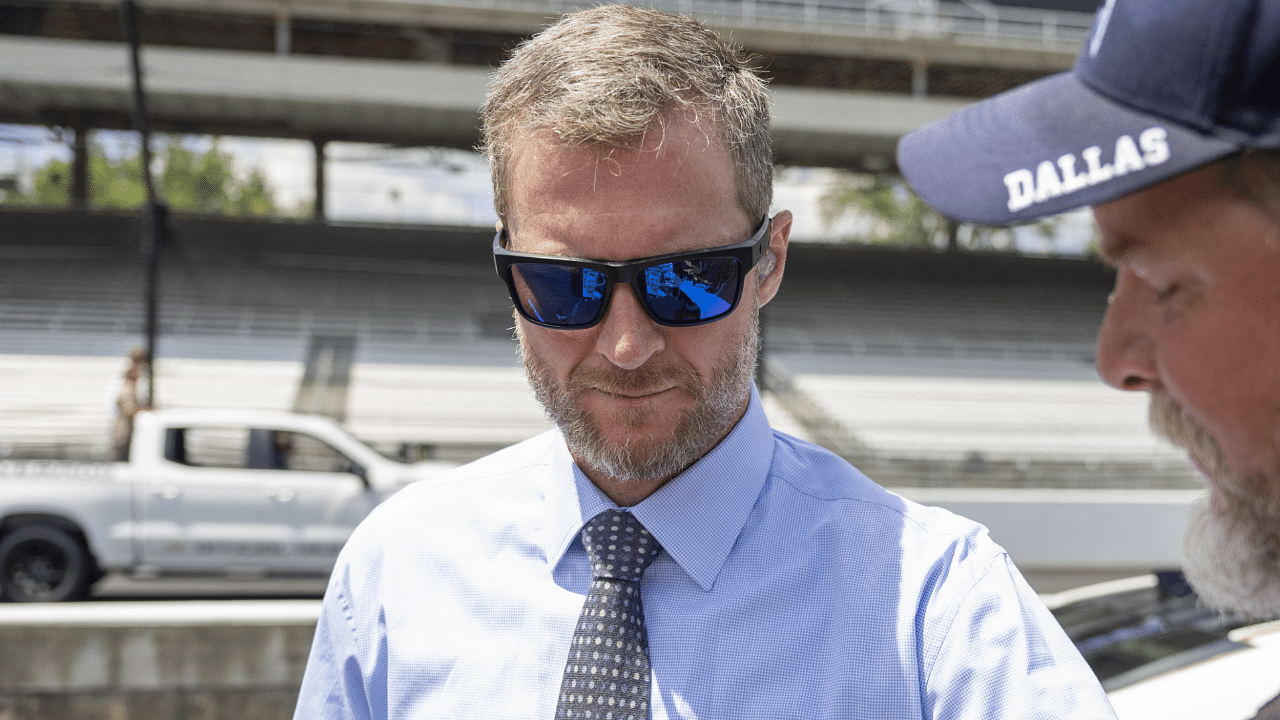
<point x="205" y="510"/>
<point x="251" y="500"/>
<point x="321" y="493"/>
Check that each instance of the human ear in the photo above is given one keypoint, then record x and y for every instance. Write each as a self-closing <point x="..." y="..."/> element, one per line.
<point x="771" y="267"/>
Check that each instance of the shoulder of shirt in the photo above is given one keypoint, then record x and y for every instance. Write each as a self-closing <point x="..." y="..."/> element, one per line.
<point x="820" y="474"/>
<point x="427" y="514"/>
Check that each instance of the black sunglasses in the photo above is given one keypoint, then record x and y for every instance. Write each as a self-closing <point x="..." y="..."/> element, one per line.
<point x="676" y="290"/>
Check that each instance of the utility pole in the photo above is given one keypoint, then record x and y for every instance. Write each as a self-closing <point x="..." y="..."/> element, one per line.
<point x="155" y="213"/>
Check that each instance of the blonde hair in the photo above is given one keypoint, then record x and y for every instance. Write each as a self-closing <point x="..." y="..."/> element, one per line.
<point x="608" y="74"/>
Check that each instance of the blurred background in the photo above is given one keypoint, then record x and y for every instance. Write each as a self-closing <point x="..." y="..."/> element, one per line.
<point x="329" y="228"/>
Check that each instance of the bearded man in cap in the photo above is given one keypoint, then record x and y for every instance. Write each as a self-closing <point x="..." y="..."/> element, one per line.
<point x="1169" y="127"/>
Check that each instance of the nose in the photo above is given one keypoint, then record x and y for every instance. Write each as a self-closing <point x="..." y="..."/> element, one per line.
<point x="626" y="336"/>
<point x="1126" y="352"/>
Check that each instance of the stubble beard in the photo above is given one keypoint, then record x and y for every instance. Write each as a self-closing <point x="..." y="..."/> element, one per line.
<point x="1231" y="554"/>
<point x="642" y="457"/>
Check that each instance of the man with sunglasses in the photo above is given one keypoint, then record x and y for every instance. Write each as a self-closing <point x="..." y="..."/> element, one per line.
<point x="729" y="571"/>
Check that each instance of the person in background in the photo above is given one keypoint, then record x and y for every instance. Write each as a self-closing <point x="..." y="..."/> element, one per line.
<point x="129" y="402"/>
<point x="663" y="552"/>
<point x="281" y="449"/>
<point x="1169" y="127"/>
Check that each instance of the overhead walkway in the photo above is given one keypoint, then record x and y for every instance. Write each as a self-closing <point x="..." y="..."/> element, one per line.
<point x="414" y="72"/>
<point x="383" y="101"/>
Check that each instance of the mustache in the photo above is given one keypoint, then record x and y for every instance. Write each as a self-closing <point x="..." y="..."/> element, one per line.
<point x="1170" y="421"/>
<point x="635" y="382"/>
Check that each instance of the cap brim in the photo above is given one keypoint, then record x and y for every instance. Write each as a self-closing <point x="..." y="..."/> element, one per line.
<point x="1044" y="148"/>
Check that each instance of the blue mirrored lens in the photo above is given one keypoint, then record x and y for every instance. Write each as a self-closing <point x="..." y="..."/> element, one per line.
<point x="691" y="291"/>
<point x="561" y="295"/>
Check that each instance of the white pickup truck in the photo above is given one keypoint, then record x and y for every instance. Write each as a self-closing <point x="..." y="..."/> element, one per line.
<point x="203" y="492"/>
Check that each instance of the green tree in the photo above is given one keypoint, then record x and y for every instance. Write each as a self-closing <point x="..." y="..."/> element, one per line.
<point x="896" y="215"/>
<point x="52" y="184"/>
<point x="115" y="183"/>
<point x="204" y="182"/>
<point x="254" y="196"/>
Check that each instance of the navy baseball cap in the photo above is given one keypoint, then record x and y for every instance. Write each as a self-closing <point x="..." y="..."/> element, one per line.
<point x="1161" y="87"/>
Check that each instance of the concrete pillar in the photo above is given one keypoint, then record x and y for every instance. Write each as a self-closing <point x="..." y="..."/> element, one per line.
<point x="919" y="79"/>
<point x="80" y="168"/>
<point x="284" y="32"/>
<point x="318" y="213"/>
<point x="953" y="234"/>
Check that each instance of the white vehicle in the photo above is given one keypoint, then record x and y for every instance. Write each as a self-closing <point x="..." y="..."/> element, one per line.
<point x="203" y="492"/>
<point x="1162" y="654"/>
<point x="1229" y="685"/>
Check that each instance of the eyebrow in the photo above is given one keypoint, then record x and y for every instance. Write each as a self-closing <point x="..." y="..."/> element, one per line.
<point x="1115" y="252"/>
<point x="507" y="243"/>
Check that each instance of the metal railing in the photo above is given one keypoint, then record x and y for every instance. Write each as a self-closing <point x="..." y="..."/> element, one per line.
<point x="968" y="22"/>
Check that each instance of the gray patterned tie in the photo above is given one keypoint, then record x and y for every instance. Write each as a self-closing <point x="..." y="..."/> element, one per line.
<point x="607" y="674"/>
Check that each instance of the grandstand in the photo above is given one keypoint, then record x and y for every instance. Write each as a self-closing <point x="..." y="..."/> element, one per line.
<point x="924" y="368"/>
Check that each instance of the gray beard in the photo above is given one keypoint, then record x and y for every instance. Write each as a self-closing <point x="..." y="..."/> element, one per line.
<point x="716" y="410"/>
<point x="1231" y="556"/>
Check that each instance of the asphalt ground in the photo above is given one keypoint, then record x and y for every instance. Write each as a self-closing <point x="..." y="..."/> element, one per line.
<point x="120" y="587"/>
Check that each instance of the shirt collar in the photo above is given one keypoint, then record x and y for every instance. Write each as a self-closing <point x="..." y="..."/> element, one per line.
<point x="697" y="516"/>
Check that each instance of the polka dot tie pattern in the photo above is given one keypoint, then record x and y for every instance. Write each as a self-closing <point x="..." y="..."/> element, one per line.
<point x="607" y="673"/>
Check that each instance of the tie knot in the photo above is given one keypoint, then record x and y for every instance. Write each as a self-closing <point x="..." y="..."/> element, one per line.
<point x="618" y="545"/>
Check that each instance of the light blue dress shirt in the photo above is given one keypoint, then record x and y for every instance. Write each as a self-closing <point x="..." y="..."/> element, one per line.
<point x="789" y="586"/>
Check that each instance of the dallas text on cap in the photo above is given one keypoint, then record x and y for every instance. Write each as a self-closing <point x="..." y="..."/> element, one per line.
<point x="1026" y="188"/>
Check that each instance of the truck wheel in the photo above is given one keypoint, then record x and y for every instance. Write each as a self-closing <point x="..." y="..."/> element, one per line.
<point x="39" y="563"/>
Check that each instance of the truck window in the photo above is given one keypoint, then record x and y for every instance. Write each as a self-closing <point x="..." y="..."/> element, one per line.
<point x="175" y="445"/>
<point x="222" y="447"/>
<point x="256" y="449"/>
<point x="311" y="453"/>
<point x="288" y="450"/>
